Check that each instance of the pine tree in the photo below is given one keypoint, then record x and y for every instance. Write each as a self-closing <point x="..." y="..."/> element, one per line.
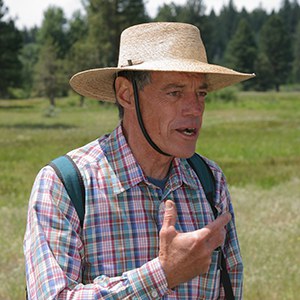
<point x="257" y="18"/>
<point x="82" y="55"/>
<point x="29" y="57"/>
<point x="10" y="46"/>
<point x="275" y="44"/>
<point x="106" y="21"/>
<point x="209" y="33"/>
<point x="264" y="76"/>
<point x="54" y="28"/>
<point x="290" y="14"/>
<point x="227" y="24"/>
<point x="296" y="62"/>
<point x="50" y="75"/>
<point x="167" y="13"/>
<point x="242" y="50"/>
<point x="192" y="12"/>
<point x="50" y="71"/>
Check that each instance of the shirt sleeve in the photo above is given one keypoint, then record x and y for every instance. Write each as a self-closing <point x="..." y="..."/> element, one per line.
<point x="54" y="251"/>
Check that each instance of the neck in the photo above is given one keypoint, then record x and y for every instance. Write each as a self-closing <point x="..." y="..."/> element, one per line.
<point x="153" y="164"/>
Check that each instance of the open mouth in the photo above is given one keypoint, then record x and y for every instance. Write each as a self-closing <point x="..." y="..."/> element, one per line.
<point x="188" y="131"/>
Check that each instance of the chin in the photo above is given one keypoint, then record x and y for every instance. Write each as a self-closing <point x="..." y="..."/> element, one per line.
<point x="183" y="153"/>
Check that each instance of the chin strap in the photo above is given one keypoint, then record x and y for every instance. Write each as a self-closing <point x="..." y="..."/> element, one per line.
<point x="140" y="119"/>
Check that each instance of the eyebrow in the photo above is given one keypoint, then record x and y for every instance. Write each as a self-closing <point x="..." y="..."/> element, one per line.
<point x="179" y="85"/>
<point x="204" y="86"/>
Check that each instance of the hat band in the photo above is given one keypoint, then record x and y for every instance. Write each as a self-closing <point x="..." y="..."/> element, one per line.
<point x="132" y="63"/>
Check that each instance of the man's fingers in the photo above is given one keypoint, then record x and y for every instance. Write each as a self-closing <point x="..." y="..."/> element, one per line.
<point x="214" y="232"/>
<point x="220" y="222"/>
<point x="170" y="215"/>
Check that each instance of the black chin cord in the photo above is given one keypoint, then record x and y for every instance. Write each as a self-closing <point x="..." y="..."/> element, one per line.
<point x="140" y="120"/>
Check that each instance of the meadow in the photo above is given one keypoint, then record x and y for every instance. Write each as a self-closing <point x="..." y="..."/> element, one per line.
<point x="255" y="139"/>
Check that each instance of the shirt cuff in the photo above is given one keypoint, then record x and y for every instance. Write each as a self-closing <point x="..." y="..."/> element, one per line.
<point x="149" y="281"/>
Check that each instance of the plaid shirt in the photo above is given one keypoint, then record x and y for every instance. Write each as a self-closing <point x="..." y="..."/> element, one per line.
<point x="115" y="255"/>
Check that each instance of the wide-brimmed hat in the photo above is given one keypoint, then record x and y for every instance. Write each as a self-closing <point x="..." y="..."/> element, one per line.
<point x="162" y="46"/>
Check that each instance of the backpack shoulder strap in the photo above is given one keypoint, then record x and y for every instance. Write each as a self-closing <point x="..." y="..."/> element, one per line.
<point x="206" y="178"/>
<point x="69" y="174"/>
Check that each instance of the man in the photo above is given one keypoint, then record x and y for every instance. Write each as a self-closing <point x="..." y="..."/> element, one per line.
<point x="148" y="232"/>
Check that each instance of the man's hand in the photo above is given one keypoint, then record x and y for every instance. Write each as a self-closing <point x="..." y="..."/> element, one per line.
<point x="184" y="256"/>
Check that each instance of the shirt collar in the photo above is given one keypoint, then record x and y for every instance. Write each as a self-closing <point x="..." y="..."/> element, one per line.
<point x="120" y="160"/>
<point x="181" y="173"/>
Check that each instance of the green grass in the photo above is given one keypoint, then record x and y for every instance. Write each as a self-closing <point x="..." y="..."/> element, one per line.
<point x="255" y="139"/>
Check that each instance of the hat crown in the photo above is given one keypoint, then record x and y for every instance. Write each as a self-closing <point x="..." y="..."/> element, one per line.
<point x="157" y="47"/>
<point x="160" y="41"/>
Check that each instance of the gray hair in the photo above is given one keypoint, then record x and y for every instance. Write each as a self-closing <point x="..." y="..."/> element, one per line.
<point x="142" y="78"/>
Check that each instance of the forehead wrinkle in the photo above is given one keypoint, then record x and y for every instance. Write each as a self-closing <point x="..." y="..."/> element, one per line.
<point x="173" y="85"/>
<point x="202" y="86"/>
<point x="178" y="82"/>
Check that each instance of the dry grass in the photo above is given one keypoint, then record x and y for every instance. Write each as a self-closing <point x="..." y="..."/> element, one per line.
<point x="268" y="223"/>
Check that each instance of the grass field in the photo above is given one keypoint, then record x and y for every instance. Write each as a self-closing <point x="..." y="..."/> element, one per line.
<point x="255" y="139"/>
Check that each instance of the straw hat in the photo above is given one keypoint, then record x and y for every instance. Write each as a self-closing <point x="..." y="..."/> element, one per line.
<point x="175" y="47"/>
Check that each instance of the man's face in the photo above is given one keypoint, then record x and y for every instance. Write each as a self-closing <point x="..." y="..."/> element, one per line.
<point x="172" y="107"/>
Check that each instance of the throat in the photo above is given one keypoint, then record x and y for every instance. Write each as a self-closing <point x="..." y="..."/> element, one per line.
<point x="153" y="164"/>
<point x="158" y="168"/>
<point x="161" y="183"/>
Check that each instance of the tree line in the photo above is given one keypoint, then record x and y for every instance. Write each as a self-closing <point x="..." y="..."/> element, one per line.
<point x="39" y="61"/>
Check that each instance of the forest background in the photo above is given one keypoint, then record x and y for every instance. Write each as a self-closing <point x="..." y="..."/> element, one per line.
<point x="252" y="130"/>
<point x="39" y="61"/>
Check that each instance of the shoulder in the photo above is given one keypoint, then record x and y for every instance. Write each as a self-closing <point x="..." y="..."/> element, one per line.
<point x="86" y="160"/>
<point x="89" y="154"/>
<point x="216" y="169"/>
<point x="220" y="178"/>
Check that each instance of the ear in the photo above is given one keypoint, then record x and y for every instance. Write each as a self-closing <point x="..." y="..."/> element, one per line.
<point x="124" y="92"/>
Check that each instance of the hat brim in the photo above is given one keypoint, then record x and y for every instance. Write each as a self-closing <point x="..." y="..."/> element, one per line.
<point x="98" y="83"/>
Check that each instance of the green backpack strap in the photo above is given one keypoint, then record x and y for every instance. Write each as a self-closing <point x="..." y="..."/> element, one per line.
<point x="207" y="180"/>
<point x="69" y="174"/>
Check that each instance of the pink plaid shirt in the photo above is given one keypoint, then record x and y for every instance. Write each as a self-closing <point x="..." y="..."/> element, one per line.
<point x="115" y="254"/>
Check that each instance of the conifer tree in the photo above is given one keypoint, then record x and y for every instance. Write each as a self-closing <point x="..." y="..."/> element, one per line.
<point x="275" y="44"/>
<point x="106" y="21"/>
<point x="50" y="71"/>
<point x="227" y="24"/>
<point x="10" y="47"/>
<point x="241" y="51"/>
<point x="296" y="62"/>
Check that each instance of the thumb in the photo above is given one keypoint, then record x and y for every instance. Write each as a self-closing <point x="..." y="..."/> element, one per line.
<point x="170" y="215"/>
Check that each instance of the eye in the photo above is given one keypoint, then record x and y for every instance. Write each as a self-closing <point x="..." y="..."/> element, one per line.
<point x="202" y="94"/>
<point x="175" y="93"/>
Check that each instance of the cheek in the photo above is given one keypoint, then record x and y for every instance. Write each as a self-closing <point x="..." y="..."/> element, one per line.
<point x="158" y="124"/>
<point x="152" y="120"/>
<point x="152" y="112"/>
<point x="167" y="122"/>
<point x="158" y="116"/>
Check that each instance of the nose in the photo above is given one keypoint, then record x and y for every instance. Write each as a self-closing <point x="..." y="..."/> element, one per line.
<point x="194" y="104"/>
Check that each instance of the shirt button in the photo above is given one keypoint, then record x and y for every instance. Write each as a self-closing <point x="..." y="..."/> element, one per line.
<point x="154" y="294"/>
